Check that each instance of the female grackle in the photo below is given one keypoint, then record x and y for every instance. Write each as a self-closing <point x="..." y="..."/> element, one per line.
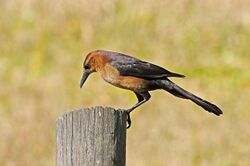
<point x="138" y="76"/>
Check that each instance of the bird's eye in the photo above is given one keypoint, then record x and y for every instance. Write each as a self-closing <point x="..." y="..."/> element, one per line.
<point x="86" y="66"/>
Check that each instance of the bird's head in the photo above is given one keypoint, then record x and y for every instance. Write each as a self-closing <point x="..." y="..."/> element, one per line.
<point x="88" y="67"/>
<point x="91" y="64"/>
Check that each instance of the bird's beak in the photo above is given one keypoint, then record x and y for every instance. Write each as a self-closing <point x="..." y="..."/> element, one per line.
<point x="84" y="77"/>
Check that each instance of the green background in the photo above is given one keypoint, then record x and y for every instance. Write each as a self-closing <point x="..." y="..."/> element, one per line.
<point x="43" y="44"/>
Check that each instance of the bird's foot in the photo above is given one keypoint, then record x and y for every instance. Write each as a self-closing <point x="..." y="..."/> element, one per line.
<point x="128" y="119"/>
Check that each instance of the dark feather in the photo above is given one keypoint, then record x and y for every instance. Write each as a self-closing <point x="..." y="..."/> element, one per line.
<point x="182" y="93"/>
<point x="130" y="66"/>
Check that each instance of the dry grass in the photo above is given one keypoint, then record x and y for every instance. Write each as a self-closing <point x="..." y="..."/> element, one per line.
<point x="42" y="43"/>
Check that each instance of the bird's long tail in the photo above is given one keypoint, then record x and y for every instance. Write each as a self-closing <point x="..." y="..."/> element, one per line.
<point x="182" y="93"/>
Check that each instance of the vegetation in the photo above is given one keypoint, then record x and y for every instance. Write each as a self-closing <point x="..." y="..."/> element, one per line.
<point x="42" y="46"/>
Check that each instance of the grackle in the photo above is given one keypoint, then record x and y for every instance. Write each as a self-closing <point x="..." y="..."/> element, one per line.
<point x="138" y="76"/>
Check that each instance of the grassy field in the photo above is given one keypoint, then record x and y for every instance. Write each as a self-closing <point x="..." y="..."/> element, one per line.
<point x="42" y="46"/>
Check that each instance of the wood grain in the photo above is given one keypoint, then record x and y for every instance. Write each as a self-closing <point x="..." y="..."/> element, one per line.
<point x="91" y="137"/>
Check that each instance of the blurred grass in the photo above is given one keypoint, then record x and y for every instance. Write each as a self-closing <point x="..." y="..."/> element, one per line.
<point x="42" y="44"/>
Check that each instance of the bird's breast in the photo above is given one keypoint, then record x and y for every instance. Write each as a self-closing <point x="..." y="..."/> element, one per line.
<point x="111" y="75"/>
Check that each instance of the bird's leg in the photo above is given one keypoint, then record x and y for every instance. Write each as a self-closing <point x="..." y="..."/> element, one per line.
<point x="128" y="120"/>
<point x="142" y="98"/>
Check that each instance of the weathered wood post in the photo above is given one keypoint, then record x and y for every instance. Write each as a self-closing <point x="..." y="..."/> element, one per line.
<point x="91" y="137"/>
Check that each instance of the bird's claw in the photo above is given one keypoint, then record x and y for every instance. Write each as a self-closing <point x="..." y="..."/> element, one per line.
<point x="128" y="119"/>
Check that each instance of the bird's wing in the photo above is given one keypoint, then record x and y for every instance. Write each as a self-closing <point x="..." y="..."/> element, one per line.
<point x="129" y="66"/>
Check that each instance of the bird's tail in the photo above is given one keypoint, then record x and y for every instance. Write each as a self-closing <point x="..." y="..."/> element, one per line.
<point x="182" y="93"/>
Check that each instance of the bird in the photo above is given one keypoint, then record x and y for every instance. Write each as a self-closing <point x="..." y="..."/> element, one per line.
<point x="127" y="72"/>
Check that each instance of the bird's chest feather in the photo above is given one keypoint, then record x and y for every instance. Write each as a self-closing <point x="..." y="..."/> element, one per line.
<point x="110" y="74"/>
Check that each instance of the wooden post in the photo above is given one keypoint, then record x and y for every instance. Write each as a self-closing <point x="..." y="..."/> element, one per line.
<point x="91" y="137"/>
